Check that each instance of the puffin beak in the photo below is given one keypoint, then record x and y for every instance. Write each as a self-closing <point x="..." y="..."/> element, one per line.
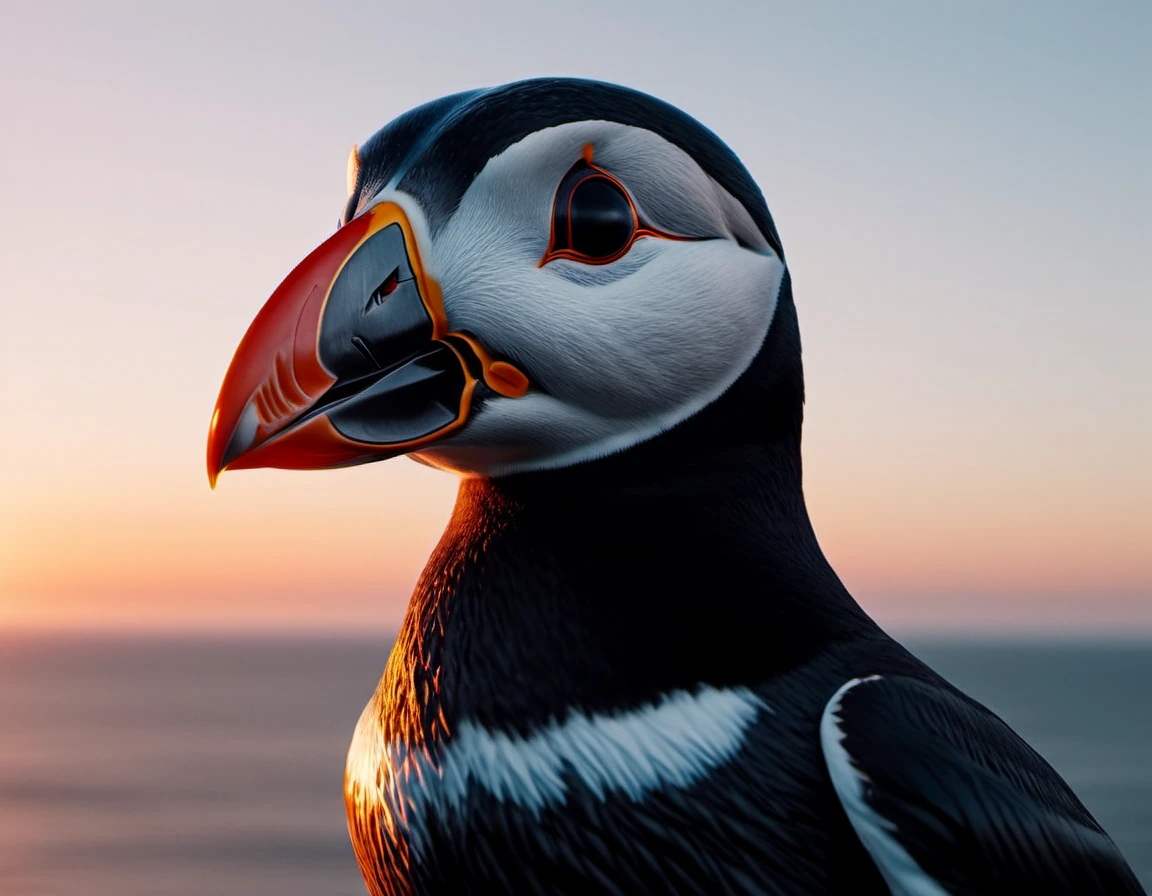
<point x="351" y="360"/>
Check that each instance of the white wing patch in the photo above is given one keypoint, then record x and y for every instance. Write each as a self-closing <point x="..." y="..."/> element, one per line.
<point x="671" y="743"/>
<point x="901" y="872"/>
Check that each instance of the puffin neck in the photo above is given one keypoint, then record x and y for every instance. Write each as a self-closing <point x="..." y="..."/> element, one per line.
<point x="552" y="592"/>
<point x="688" y="560"/>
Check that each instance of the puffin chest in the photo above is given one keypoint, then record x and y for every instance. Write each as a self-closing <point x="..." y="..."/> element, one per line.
<point x="420" y="801"/>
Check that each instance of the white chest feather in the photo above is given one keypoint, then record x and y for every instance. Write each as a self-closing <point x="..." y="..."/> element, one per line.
<point x="671" y="743"/>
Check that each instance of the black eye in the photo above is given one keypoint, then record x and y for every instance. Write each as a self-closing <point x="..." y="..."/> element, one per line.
<point x="593" y="219"/>
<point x="600" y="218"/>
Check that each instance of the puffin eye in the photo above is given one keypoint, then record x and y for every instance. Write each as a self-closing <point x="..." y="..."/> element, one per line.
<point x="593" y="218"/>
<point x="600" y="219"/>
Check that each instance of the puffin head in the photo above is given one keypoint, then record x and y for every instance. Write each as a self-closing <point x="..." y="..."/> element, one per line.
<point x="524" y="278"/>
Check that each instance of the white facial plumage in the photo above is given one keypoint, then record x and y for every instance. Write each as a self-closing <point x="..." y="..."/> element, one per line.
<point x="616" y="353"/>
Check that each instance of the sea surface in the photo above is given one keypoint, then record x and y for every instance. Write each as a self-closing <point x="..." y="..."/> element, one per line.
<point x="166" y="766"/>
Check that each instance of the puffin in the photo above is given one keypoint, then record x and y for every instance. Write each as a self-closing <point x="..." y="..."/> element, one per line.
<point x="628" y="666"/>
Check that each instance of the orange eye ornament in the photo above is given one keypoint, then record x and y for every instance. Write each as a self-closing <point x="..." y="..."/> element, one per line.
<point x="594" y="220"/>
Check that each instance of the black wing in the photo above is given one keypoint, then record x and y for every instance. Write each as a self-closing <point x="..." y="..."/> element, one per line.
<point x="948" y="800"/>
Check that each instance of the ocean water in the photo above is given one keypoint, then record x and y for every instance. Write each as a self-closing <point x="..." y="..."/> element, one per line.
<point x="133" y="766"/>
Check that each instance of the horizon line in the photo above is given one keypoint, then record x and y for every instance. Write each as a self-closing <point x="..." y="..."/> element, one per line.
<point x="386" y="634"/>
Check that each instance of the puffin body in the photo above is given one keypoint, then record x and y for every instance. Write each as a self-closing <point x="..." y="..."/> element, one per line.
<point x="628" y="666"/>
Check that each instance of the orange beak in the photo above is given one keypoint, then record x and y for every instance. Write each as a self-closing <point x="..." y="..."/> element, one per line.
<point x="351" y="360"/>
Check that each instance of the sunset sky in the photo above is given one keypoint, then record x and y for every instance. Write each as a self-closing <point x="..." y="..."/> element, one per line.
<point x="963" y="191"/>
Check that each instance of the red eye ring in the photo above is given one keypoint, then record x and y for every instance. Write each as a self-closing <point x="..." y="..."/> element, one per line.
<point x="561" y="242"/>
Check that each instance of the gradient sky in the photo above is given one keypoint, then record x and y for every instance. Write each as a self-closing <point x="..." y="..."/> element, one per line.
<point x="963" y="191"/>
